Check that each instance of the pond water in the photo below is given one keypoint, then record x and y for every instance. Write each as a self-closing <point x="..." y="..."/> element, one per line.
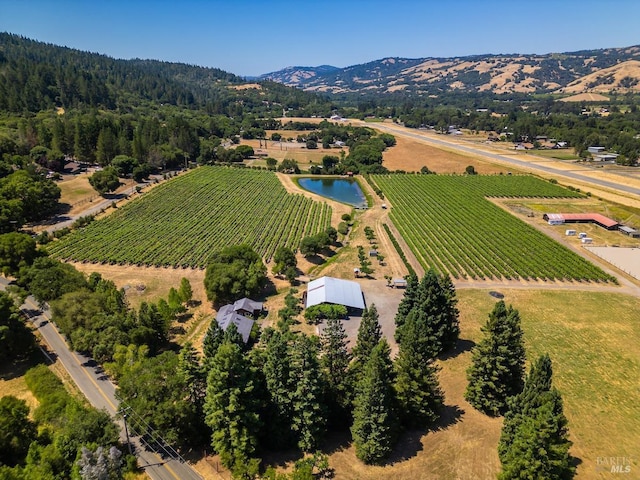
<point x="343" y="190"/>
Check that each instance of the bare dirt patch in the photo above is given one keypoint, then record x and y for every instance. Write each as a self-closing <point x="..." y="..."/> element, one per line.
<point x="246" y="86"/>
<point x="585" y="97"/>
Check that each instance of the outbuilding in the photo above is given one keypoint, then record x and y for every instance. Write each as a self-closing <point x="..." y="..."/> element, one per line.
<point x="629" y="231"/>
<point x="335" y="291"/>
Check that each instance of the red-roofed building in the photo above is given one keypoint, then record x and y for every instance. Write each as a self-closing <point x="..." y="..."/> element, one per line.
<point x="601" y="220"/>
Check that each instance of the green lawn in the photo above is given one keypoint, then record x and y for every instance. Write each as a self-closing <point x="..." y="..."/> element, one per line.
<point x="557" y="154"/>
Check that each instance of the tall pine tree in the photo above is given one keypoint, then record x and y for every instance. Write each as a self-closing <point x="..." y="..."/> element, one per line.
<point x="335" y="363"/>
<point x="497" y="368"/>
<point x="231" y="410"/>
<point x="407" y="303"/>
<point x="369" y="334"/>
<point x="193" y="373"/>
<point x="434" y="311"/>
<point x="540" y="445"/>
<point x="212" y="339"/>
<point x="419" y="394"/>
<point x="534" y="441"/>
<point x="538" y="383"/>
<point x="276" y="369"/>
<point x="308" y="412"/>
<point x="375" y="421"/>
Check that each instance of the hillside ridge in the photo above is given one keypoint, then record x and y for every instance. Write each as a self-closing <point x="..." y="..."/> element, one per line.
<point x="601" y="70"/>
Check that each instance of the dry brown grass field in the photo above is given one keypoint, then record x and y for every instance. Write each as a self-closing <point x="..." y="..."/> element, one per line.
<point x="12" y="381"/>
<point x="77" y="192"/>
<point x="586" y="97"/>
<point x="411" y="155"/>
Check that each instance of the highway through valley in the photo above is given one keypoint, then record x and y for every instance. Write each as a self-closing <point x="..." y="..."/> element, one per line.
<point x="416" y="135"/>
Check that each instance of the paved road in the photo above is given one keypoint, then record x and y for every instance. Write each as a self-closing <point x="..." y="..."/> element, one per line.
<point x="99" y="390"/>
<point x="508" y="159"/>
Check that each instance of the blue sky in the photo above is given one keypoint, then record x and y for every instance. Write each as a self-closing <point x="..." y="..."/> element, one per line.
<point x="251" y="37"/>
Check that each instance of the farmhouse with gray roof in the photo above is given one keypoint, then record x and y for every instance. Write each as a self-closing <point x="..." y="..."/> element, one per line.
<point x="237" y="313"/>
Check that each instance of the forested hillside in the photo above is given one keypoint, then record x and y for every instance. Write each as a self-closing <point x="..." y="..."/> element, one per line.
<point x="59" y="104"/>
<point x="37" y="76"/>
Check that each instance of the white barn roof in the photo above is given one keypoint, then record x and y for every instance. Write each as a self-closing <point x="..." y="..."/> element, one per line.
<point x="336" y="291"/>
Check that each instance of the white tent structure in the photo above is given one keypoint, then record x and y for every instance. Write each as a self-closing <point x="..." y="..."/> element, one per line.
<point x="336" y="291"/>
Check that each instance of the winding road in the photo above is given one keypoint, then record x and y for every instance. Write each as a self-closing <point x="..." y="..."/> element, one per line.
<point x="99" y="391"/>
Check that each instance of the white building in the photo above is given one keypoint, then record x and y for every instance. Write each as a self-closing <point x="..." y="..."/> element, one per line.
<point x="336" y="291"/>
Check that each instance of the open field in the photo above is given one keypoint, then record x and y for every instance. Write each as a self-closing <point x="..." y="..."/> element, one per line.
<point x="411" y="155"/>
<point x="290" y="150"/>
<point x="449" y="225"/>
<point x="585" y="97"/>
<point x="596" y="384"/>
<point x="566" y="154"/>
<point x="181" y="222"/>
<point x="76" y="191"/>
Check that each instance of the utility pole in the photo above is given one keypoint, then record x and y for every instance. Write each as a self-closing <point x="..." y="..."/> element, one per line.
<point x="126" y="432"/>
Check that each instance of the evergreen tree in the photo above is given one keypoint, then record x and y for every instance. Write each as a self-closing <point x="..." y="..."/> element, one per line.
<point x="174" y="300"/>
<point x="106" y="147"/>
<point x="369" y="335"/>
<point x="497" y="368"/>
<point x="185" y="292"/>
<point x="276" y="369"/>
<point x="232" y="335"/>
<point x="451" y="329"/>
<point x="190" y="368"/>
<point x="434" y="312"/>
<point x="212" y="339"/>
<point x="375" y="423"/>
<point x="540" y="446"/>
<point x="308" y="412"/>
<point x="231" y="410"/>
<point x="419" y="394"/>
<point x="335" y="362"/>
<point x="407" y="303"/>
<point x="538" y="383"/>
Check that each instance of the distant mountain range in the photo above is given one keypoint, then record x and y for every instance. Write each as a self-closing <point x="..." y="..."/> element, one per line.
<point x="601" y="70"/>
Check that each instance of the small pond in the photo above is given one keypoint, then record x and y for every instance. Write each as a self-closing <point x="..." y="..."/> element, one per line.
<point x="343" y="190"/>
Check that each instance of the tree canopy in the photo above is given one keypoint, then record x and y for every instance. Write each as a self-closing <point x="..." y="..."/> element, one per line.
<point x="234" y="272"/>
<point x="105" y="181"/>
<point x="17" y="250"/>
<point x="497" y="369"/>
<point x="375" y="422"/>
<point x="534" y="441"/>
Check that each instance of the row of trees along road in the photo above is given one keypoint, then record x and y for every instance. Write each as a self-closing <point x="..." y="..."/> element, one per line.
<point x="534" y="441"/>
